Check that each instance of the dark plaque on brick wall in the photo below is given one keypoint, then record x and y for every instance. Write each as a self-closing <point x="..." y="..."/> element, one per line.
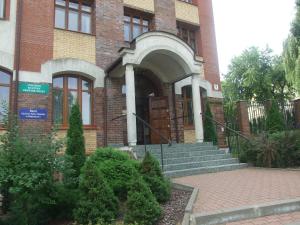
<point x="33" y="114"/>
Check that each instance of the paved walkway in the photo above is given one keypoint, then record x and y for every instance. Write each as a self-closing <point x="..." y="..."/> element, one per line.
<point x="245" y="187"/>
<point x="283" y="219"/>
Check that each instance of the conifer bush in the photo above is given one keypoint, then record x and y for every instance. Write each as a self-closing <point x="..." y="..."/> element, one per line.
<point x="142" y="207"/>
<point x="210" y="134"/>
<point x="152" y="174"/>
<point x="274" y="120"/>
<point x="75" y="151"/>
<point x="97" y="201"/>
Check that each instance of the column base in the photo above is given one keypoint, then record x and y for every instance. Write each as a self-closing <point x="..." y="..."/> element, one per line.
<point x="200" y="141"/>
<point x="132" y="144"/>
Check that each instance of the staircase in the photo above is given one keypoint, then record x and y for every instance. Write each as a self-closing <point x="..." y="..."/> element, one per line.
<point x="190" y="159"/>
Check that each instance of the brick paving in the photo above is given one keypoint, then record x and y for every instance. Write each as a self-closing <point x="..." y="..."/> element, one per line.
<point x="283" y="219"/>
<point x="245" y="187"/>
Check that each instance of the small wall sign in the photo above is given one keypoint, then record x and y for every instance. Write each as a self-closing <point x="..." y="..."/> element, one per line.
<point x="33" y="114"/>
<point x="32" y="88"/>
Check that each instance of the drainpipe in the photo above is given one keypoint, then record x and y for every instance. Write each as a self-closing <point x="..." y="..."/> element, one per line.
<point x="17" y="52"/>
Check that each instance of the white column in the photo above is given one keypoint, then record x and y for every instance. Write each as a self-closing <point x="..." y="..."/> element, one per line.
<point x="197" y="108"/>
<point x="130" y="104"/>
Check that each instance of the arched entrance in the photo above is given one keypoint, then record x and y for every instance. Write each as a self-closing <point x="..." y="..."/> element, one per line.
<point x="152" y="106"/>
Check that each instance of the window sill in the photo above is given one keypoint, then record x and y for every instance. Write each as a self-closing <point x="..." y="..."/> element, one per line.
<point x="76" y="32"/>
<point x="191" y="3"/>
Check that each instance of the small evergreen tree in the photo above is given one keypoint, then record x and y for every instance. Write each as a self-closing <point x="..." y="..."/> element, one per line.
<point x="152" y="174"/>
<point x="210" y="134"/>
<point x="97" y="202"/>
<point x="274" y="121"/>
<point x="142" y="207"/>
<point x="75" y="151"/>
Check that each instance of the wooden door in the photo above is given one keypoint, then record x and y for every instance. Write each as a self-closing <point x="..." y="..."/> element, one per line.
<point x="159" y="118"/>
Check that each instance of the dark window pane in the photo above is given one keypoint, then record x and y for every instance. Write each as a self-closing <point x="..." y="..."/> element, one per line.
<point x="86" y="6"/>
<point x="136" y="31"/>
<point x="73" y="4"/>
<point x="73" y="20"/>
<point x="126" y="31"/>
<point x="2" y="8"/>
<point x="58" y="106"/>
<point x="85" y="85"/>
<point x="60" y="2"/>
<point x="136" y="20"/>
<point x="72" y="99"/>
<point x="86" y="108"/>
<point x="72" y="83"/>
<point x="127" y="19"/>
<point x="4" y="78"/>
<point x="58" y="82"/>
<point x="60" y="18"/>
<point x="145" y="22"/>
<point x="4" y="102"/>
<point x="86" y="23"/>
<point x="145" y="29"/>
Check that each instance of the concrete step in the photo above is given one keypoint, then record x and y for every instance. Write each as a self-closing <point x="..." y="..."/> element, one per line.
<point x="171" y="149"/>
<point x="201" y="170"/>
<point x="195" y="158"/>
<point x="195" y="165"/>
<point x="183" y="154"/>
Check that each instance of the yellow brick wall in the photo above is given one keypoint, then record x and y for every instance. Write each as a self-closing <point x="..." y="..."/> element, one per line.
<point x="74" y="45"/>
<point x="187" y="12"/>
<point x="146" y="5"/>
<point x="90" y="137"/>
<point x="189" y="136"/>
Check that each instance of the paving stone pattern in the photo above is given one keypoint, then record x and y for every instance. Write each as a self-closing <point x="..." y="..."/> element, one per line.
<point x="244" y="187"/>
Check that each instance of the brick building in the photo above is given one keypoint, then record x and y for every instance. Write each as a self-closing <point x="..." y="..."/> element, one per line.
<point x="153" y="58"/>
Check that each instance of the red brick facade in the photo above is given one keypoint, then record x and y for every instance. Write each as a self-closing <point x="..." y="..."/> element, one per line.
<point x="37" y="47"/>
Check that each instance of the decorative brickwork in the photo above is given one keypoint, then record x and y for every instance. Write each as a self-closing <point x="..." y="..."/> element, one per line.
<point x="69" y="44"/>
<point x="165" y="18"/>
<point x="243" y="118"/>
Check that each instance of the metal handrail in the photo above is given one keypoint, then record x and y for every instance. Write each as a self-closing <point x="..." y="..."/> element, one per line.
<point x="161" y="137"/>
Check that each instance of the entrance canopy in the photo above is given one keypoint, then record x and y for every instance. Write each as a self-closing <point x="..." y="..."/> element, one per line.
<point x="166" y="55"/>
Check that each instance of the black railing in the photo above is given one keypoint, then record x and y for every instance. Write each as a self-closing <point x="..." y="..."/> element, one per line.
<point x="233" y="137"/>
<point x="161" y="137"/>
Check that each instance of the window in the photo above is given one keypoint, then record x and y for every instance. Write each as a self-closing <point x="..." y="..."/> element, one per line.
<point x="74" y="15"/>
<point x="188" y="113"/>
<point x="2" y="9"/>
<point x="5" y="82"/>
<point x="67" y="90"/>
<point x="135" y="26"/>
<point x="188" y="35"/>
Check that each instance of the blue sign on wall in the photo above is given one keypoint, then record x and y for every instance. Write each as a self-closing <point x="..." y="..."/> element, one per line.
<point x="33" y="114"/>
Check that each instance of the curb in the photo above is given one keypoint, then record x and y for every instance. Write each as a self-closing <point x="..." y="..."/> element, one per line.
<point x="248" y="212"/>
<point x="189" y="207"/>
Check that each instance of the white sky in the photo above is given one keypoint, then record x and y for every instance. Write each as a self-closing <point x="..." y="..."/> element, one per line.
<point x="244" y="23"/>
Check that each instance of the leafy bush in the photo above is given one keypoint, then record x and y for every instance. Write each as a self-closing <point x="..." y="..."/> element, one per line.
<point x="97" y="202"/>
<point x="27" y="165"/>
<point x="142" y="207"/>
<point x="152" y="174"/>
<point x="117" y="168"/>
<point x="280" y="149"/>
<point x="274" y="120"/>
<point x="75" y="145"/>
<point x="210" y="134"/>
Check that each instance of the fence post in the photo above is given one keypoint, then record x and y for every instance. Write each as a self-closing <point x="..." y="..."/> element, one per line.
<point x="243" y="117"/>
<point x="297" y="112"/>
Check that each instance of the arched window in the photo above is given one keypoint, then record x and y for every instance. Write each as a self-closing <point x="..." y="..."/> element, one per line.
<point x="67" y="90"/>
<point x="188" y="106"/>
<point x="5" y="83"/>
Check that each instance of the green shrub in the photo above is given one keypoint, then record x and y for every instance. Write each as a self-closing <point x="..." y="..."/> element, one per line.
<point x="97" y="202"/>
<point x="27" y="165"/>
<point x="152" y="174"/>
<point x="274" y="120"/>
<point x="210" y="134"/>
<point x="142" y="207"/>
<point x="75" y="145"/>
<point x="117" y="168"/>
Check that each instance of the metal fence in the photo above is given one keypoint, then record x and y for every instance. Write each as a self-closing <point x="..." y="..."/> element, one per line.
<point x="257" y="113"/>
